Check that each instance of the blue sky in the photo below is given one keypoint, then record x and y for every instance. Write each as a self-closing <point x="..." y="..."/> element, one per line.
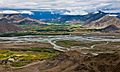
<point x="75" y="6"/>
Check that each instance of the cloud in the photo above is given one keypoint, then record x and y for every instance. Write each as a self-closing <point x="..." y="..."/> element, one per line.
<point x="75" y="6"/>
<point x="9" y="12"/>
<point x="15" y="12"/>
<point x="80" y="12"/>
<point x="26" y="12"/>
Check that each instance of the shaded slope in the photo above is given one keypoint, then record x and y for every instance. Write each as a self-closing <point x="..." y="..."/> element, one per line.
<point x="19" y="19"/>
<point x="5" y="26"/>
<point x="108" y="28"/>
<point x="104" y="22"/>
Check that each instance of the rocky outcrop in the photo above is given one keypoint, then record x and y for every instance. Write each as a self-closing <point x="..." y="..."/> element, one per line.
<point x="74" y="61"/>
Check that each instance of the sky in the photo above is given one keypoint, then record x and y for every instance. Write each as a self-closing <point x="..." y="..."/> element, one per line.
<point x="75" y="6"/>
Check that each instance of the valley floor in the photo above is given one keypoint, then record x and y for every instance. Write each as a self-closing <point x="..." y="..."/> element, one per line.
<point x="60" y="53"/>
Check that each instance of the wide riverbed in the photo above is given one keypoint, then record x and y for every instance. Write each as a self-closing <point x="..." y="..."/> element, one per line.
<point x="52" y="39"/>
<point x="61" y="37"/>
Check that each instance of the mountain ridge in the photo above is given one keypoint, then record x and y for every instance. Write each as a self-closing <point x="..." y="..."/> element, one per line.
<point x="5" y="26"/>
<point x="104" y="22"/>
<point x="58" y="16"/>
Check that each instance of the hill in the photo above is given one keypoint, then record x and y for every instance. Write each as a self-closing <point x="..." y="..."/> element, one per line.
<point x="107" y="23"/>
<point x="5" y="26"/>
<point x="109" y="28"/>
<point x="19" y="19"/>
<point x="74" y="61"/>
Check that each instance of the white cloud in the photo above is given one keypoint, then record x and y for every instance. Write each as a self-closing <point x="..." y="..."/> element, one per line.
<point x="71" y="5"/>
<point x="9" y="12"/>
<point x="26" y="12"/>
<point x="15" y="12"/>
<point x="76" y="12"/>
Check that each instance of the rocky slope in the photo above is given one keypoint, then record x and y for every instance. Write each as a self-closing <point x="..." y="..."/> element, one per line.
<point x="104" y="22"/>
<point x="109" y="28"/>
<point x="19" y="19"/>
<point x="5" y="26"/>
<point x="11" y="22"/>
<point x="75" y="61"/>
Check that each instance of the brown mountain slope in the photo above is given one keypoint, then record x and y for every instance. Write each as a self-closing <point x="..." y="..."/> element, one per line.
<point x="104" y="22"/>
<point x="74" y="61"/>
<point x="5" y="26"/>
<point x="19" y="19"/>
<point x="108" y="28"/>
<point x="11" y="22"/>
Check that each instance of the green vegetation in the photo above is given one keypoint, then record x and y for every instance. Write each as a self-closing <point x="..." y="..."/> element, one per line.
<point x="32" y="33"/>
<point x="17" y="34"/>
<point x="92" y="46"/>
<point x="70" y="43"/>
<point x="29" y="27"/>
<point x="49" y="50"/>
<point x="40" y="30"/>
<point x="76" y="25"/>
<point x="46" y="28"/>
<point x="26" y="56"/>
<point x="19" y="64"/>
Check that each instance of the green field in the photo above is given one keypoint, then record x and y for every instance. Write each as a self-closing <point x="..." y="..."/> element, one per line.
<point x="70" y="43"/>
<point x="26" y="56"/>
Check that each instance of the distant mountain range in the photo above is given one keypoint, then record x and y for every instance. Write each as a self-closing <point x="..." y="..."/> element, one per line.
<point x="60" y="16"/>
<point x="98" y="20"/>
